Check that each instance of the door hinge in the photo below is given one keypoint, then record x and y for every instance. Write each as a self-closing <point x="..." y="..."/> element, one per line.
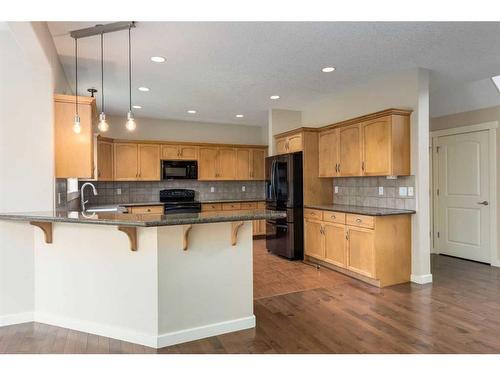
<point x="437" y="149"/>
<point x="437" y="191"/>
<point x="438" y="234"/>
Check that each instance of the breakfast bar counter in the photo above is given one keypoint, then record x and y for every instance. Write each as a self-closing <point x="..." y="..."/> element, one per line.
<point x="189" y="276"/>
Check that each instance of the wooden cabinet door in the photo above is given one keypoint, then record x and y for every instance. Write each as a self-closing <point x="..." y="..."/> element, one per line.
<point x="281" y="145"/>
<point x="314" y="241"/>
<point x="227" y="164"/>
<point x="361" y="251"/>
<point x="243" y="160"/>
<point x="169" y="152"/>
<point x="104" y="161"/>
<point x="207" y="164"/>
<point x="258" y="164"/>
<point x="350" y="150"/>
<point x="126" y="167"/>
<point x="188" y="152"/>
<point x="376" y="147"/>
<point x="335" y="244"/>
<point x="149" y="162"/>
<point x="294" y="143"/>
<point x="328" y="153"/>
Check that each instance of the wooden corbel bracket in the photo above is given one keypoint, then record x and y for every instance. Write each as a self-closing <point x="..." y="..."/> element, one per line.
<point x="186" y="230"/>
<point x="46" y="227"/>
<point x="235" y="226"/>
<point x="131" y="232"/>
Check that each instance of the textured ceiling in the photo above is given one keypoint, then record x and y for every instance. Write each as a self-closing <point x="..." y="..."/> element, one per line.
<point x="223" y="69"/>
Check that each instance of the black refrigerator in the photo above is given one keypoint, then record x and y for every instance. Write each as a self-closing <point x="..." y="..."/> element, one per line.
<point x="285" y="237"/>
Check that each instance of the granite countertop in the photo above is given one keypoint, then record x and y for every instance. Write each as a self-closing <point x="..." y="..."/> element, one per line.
<point x="361" y="210"/>
<point x="142" y="220"/>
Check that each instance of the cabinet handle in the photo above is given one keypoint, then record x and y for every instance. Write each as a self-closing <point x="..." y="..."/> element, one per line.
<point x="358" y="220"/>
<point x="333" y="217"/>
<point x="339" y="168"/>
<point x="363" y="166"/>
<point x="347" y="235"/>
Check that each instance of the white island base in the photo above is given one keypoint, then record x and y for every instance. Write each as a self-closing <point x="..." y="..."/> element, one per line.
<point x="89" y="280"/>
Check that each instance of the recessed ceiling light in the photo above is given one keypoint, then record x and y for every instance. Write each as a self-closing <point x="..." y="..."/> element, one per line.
<point x="240" y="116"/>
<point x="328" y="69"/>
<point x="137" y="106"/>
<point x="274" y="97"/>
<point x="158" y="59"/>
<point x="143" y="89"/>
<point x="191" y="111"/>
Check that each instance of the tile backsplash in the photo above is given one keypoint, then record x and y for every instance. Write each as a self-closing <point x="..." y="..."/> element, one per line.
<point x="364" y="191"/>
<point x="146" y="191"/>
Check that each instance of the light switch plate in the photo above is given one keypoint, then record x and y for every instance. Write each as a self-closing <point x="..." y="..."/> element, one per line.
<point x="410" y="191"/>
<point x="118" y="191"/>
<point x="403" y="191"/>
<point x="243" y="188"/>
<point x="380" y="190"/>
<point x="212" y="189"/>
<point x="336" y="189"/>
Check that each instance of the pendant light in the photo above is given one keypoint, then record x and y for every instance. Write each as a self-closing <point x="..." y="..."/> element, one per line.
<point x="130" y="124"/>
<point x="103" y="124"/>
<point x="76" y="123"/>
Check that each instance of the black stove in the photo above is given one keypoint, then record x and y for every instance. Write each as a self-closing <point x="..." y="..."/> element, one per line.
<point x="179" y="201"/>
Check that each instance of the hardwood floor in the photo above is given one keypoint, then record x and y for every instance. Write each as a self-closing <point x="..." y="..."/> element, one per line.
<point x="302" y="310"/>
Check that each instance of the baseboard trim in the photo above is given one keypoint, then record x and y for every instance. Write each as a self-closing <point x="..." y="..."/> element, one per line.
<point x="421" y="279"/>
<point x="8" y="320"/>
<point x="113" y="332"/>
<point x="178" y="337"/>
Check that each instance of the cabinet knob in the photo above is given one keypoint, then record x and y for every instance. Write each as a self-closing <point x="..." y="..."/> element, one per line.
<point x="333" y="217"/>
<point x="358" y="220"/>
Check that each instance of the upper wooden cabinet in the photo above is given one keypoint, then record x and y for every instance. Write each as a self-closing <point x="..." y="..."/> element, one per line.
<point x="179" y="152"/>
<point x="289" y="143"/>
<point x="250" y="164"/>
<point x="217" y="163"/>
<point x="372" y="145"/>
<point x="136" y="162"/>
<point x="104" y="160"/>
<point x="74" y="153"/>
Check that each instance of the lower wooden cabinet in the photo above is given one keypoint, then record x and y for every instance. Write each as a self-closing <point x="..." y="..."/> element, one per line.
<point x="376" y="249"/>
<point x="259" y="226"/>
<point x="147" y="209"/>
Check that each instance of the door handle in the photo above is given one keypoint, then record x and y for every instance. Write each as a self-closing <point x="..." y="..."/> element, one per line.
<point x="484" y="203"/>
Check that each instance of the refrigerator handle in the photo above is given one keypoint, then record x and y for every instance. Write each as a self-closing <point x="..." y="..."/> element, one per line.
<point x="274" y="180"/>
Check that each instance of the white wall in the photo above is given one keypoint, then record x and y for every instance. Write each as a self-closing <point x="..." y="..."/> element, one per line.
<point x="26" y="161"/>
<point x="176" y="130"/>
<point x="407" y="90"/>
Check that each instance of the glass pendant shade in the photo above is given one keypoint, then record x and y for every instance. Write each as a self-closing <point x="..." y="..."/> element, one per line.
<point x="103" y="125"/>
<point x="77" y="128"/>
<point x="130" y="124"/>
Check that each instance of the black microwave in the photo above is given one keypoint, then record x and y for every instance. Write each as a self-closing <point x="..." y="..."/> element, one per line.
<point x="179" y="169"/>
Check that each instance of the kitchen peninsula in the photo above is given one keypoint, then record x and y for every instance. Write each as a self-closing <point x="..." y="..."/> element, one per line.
<point x="188" y="276"/>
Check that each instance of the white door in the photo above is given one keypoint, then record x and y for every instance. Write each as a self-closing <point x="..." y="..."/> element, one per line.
<point x="463" y="183"/>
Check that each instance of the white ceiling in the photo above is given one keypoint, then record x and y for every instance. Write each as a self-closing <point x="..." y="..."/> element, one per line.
<point x="223" y="69"/>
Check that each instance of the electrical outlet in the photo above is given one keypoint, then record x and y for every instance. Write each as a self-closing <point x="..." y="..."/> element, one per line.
<point x="336" y="189"/>
<point x="380" y="190"/>
<point x="118" y="191"/>
<point x="243" y="188"/>
<point x="212" y="189"/>
<point x="403" y="191"/>
<point x="410" y="191"/>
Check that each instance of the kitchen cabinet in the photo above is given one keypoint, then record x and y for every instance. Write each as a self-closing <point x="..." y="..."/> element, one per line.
<point x="104" y="160"/>
<point x="259" y="226"/>
<point x="136" y="162"/>
<point x="211" y="207"/>
<point x="250" y="164"/>
<point x="157" y="209"/>
<point x="289" y="143"/>
<point x="376" y="145"/>
<point x="217" y="163"/>
<point x="179" y="152"/>
<point x="329" y="158"/>
<point x="74" y="153"/>
<point x="375" y="249"/>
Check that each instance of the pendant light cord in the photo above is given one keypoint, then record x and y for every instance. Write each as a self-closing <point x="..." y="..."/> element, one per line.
<point x="129" y="73"/>
<point x="76" y="76"/>
<point x="102" y="74"/>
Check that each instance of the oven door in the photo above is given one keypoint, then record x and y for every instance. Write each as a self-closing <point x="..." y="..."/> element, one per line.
<point x="182" y="208"/>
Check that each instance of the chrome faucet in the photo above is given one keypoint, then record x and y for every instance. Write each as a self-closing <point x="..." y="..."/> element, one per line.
<point x="81" y="193"/>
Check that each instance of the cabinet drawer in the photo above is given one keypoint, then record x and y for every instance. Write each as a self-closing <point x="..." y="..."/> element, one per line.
<point x="261" y="205"/>
<point x="147" y="210"/>
<point x="231" y="206"/>
<point x="313" y="214"/>
<point x="360" y="221"/>
<point x="211" y="207"/>
<point x="334" y="217"/>
<point x="248" y="205"/>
